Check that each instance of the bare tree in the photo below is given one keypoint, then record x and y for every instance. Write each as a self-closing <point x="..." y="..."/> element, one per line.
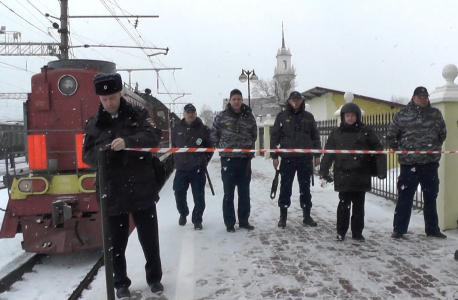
<point x="206" y="114"/>
<point x="263" y="89"/>
<point x="278" y="88"/>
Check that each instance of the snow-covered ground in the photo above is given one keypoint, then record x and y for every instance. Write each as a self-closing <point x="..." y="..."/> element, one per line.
<point x="271" y="263"/>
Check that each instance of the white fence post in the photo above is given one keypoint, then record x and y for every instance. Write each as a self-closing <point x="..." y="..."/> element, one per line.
<point x="267" y="124"/>
<point x="445" y="98"/>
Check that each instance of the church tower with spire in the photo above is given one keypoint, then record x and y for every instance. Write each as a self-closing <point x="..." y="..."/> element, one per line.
<point x="284" y="73"/>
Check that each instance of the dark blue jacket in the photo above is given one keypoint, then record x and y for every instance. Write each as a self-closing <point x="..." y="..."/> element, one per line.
<point x="196" y="135"/>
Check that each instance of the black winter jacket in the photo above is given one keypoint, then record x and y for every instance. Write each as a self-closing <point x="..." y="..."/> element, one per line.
<point x="352" y="171"/>
<point x="130" y="176"/>
<point x="196" y="135"/>
<point x="295" y="130"/>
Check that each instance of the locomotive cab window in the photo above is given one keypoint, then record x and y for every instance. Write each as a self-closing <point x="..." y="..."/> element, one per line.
<point x="161" y="120"/>
<point x="67" y="85"/>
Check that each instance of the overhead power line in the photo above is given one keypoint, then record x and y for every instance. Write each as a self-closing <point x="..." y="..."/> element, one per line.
<point x="30" y="12"/>
<point x="23" y="18"/>
<point x="28" y="1"/>
<point x="19" y="68"/>
<point x="86" y="17"/>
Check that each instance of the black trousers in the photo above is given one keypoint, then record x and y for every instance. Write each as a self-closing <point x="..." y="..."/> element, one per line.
<point x="147" y="229"/>
<point x="412" y="175"/>
<point x="288" y="169"/>
<point x="236" y="172"/>
<point x="197" y="179"/>
<point x="357" y="214"/>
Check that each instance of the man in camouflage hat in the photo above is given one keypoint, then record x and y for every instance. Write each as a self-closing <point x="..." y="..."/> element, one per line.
<point x="418" y="126"/>
<point x="235" y="127"/>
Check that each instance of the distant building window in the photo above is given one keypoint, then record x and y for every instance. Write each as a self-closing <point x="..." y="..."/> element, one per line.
<point x="284" y="64"/>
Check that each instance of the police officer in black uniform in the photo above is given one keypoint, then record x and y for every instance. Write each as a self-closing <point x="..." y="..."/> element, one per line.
<point x="130" y="177"/>
<point x="191" y="167"/>
<point x="295" y="128"/>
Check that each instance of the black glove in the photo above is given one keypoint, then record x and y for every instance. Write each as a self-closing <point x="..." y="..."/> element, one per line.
<point x="327" y="178"/>
<point x="381" y="176"/>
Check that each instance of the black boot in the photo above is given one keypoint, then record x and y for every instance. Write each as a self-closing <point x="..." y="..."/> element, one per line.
<point x="182" y="220"/>
<point x="308" y="219"/>
<point x="283" y="217"/>
<point x="123" y="292"/>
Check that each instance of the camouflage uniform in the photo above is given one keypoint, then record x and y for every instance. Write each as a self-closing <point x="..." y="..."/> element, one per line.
<point x="239" y="131"/>
<point x="417" y="128"/>
<point x="231" y="130"/>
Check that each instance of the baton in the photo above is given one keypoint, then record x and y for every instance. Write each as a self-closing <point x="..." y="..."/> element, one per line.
<point x="209" y="182"/>
<point x="273" y="191"/>
<point x="313" y="171"/>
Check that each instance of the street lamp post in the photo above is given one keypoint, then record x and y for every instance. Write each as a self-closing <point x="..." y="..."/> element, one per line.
<point x="250" y="76"/>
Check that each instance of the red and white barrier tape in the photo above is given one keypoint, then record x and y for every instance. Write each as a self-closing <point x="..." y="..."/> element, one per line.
<point x="185" y="150"/>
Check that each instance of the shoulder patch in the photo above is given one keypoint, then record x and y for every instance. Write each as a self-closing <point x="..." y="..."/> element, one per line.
<point x="151" y="122"/>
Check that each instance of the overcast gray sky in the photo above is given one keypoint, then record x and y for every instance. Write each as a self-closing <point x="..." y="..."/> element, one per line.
<point x="374" y="48"/>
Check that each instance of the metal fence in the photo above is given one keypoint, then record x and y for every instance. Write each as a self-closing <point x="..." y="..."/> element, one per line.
<point x="379" y="123"/>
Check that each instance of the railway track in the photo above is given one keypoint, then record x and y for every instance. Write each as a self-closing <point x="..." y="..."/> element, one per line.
<point x="70" y="268"/>
<point x="87" y="280"/>
<point x="16" y="275"/>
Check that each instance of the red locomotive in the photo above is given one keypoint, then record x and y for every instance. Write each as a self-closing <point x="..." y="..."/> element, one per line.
<point x="54" y="205"/>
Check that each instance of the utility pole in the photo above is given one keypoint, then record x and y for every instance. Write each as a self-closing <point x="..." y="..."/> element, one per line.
<point x="64" y="29"/>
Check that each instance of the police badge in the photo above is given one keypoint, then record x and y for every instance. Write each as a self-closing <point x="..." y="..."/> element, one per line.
<point x="151" y="122"/>
<point x="198" y="141"/>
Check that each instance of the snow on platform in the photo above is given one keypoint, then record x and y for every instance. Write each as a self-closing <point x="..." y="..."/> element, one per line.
<point x="293" y="263"/>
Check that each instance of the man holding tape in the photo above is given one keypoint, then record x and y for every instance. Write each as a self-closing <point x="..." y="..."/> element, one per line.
<point x="418" y="126"/>
<point x="130" y="177"/>
<point x="295" y="128"/>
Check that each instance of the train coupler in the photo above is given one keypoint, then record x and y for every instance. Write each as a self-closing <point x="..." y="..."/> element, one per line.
<point x="61" y="212"/>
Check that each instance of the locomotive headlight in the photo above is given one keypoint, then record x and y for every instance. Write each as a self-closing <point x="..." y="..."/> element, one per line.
<point x="35" y="185"/>
<point x="67" y="85"/>
<point x="25" y="186"/>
